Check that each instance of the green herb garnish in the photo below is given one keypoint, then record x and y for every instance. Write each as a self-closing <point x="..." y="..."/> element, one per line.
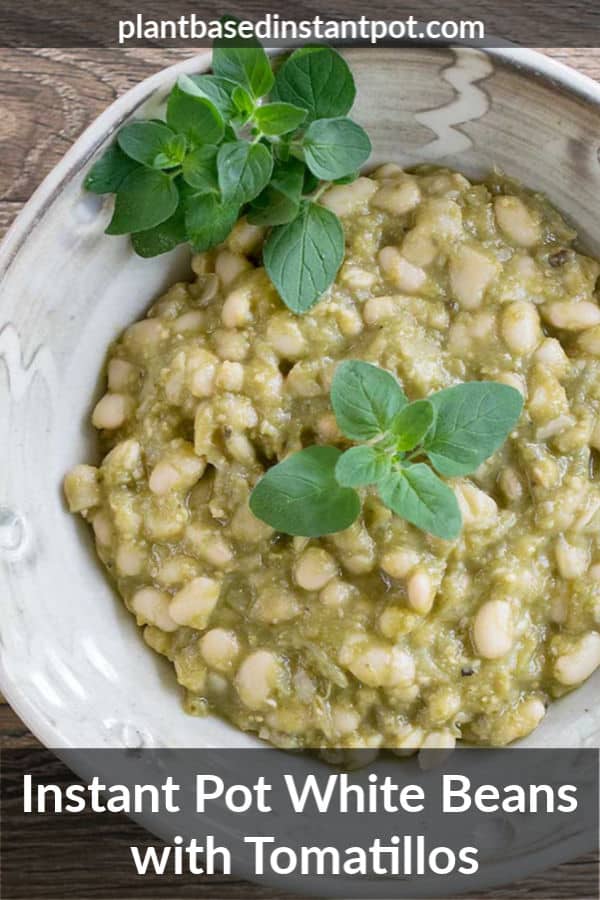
<point x="312" y="492"/>
<point x="243" y="141"/>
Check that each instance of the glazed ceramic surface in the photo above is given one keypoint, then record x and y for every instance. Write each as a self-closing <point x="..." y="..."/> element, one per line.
<point x="72" y="662"/>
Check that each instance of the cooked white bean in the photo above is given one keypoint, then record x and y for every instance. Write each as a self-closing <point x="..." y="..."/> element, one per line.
<point x="471" y="273"/>
<point x="516" y="221"/>
<point x="123" y="376"/>
<point x="520" y="327"/>
<point x="345" y="720"/>
<point x="230" y="376"/>
<point x="420" y="591"/>
<point x="103" y="530"/>
<point x="336" y="593"/>
<point x="231" y="344"/>
<point x="572" y="561"/>
<point x="179" y="469"/>
<point x="314" y="568"/>
<point x="551" y="354"/>
<point x="286" y="338"/>
<point x="510" y="484"/>
<point x="229" y="266"/>
<point x="356" y="278"/>
<point x="246" y="238"/>
<point x="493" y="629"/>
<point x="130" y="559"/>
<point x="398" y="563"/>
<point x="194" y="603"/>
<point x="397" y="198"/>
<point x="399" y="271"/>
<point x="257" y="678"/>
<point x="112" y="411"/>
<point x="144" y="337"/>
<point x="219" y="647"/>
<point x="571" y="316"/>
<point x="236" y="310"/>
<point x="387" y="171"/>
<point x="342" y="199"/>
<point x="418" y="247"/>
<point x="302" y="381"/>
<point x="378" y="308"/>
<point x="378" y="665"/>
<point x="577" y="665"/>
<point x="479" y="510"/>
<point x="152" y="607"/>
<point x="82" y="488"/>
<point x="275" y="605"/>
<point x="209" y="546"/>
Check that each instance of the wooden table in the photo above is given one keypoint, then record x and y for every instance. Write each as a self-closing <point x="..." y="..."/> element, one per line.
<point x="47" y="98"/>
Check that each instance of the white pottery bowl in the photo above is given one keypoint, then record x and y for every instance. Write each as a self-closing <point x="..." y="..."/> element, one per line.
<point x="72" y="661"/>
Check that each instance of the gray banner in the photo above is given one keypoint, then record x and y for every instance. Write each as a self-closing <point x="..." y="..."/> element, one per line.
<point x="393" y="827"/>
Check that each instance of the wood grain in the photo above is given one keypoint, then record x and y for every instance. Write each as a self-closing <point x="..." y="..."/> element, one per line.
<point x="47" y="98"/>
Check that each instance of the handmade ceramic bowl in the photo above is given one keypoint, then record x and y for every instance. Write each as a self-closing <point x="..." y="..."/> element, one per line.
<point x="72" y="661"/>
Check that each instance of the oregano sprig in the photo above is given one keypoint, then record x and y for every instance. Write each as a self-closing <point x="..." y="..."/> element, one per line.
<point x="313" y="492"/>
<point x="243" y="140"/>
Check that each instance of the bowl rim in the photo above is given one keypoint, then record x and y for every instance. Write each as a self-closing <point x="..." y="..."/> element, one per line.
<point x="528" y="62"/>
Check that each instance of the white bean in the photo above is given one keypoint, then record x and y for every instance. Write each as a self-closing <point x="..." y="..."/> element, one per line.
<point x="230" y="376"/>
<point x="82" y="488"/>
<point x="209" y="546"/>
<point x="378" y="308"/>
<point x="577" y="665"/>
<point x="517" y="221"/>
<point x="342" y="199"/>
<point x="378" y="665"/>
<point x="520" y="327"/>
<point x="478" y="509"/>
<point x="152" y="607"/>
<point x="103" y="530"/>
<point x="228" y="266"/>
<point x="344" y="719"/>
<point x="194" y="603"/>
<point x="493" y="629"/>
<point x="420" y="592"/>
<point x="112" y="411"/>
<point x="236" y="311"/>
<point x="245" y="238"/>
<point x="572" y="561"/>
<point x="397" y="198"/>
<point x="314" y="568"/>
<point x="219" y="647"/>
<point x="130" y="560"/>
<point x="398" y="563"/>
<point x="551" y="354"/>
<point x="336" y="593"/>
<point x="471" y="273"/>
<point x="399" y="271"/>
<point x="286" y="338"/>
<point x="257" y="678"/>
<point x="275" y="605"/>
<point x="122" y="375"/>
<point x="570" y="315"/>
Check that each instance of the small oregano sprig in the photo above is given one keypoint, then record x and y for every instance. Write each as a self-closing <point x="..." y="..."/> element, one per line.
<point x="243" y="140"/>
<point x="313" y="491"/>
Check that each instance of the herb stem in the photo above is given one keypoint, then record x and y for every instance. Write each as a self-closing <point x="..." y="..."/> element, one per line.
<point x="320" y="190"/>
